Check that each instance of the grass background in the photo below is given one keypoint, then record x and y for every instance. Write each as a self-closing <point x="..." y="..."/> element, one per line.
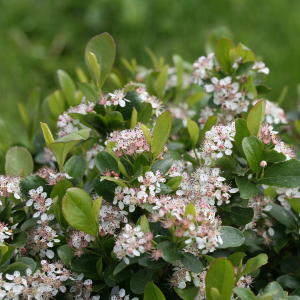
<point x="39" y="37"/>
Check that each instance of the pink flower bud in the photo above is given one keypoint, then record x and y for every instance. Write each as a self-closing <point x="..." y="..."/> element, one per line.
<point x="263" y="163"/>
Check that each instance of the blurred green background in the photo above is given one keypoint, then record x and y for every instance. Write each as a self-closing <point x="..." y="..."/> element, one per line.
<point x="39" y="37"/>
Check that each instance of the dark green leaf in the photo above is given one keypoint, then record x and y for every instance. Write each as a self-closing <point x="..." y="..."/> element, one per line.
<point x="247" y="189"/>
<point x="241" y="132"/>
<point x="106" y="162"/>
<point x="191" y="262"/>
<point x="75" y="167"/>
<point x="169" y="251"/>
<point x="231" y="237"/>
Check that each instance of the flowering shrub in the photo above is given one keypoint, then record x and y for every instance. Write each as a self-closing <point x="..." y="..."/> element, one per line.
<point x="174" y="186"/>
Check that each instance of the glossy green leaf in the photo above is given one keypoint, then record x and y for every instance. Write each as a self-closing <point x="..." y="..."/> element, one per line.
<point x="244" y="293"/>
<point x="18" y="161"/>
<point x="255" y="117"/>
<point x="163" y="165"/>
<point x="240" y="216"/>
<point x="174" y="182"/>
<point x="224" y="163"/>
<point x="68" y="86"/>
<point x="221" y="276"/>
<point x="191" y="262"/>
<point x="152" y="292"/>
<point x="193" y="131"/>
<point x="89" y="92"/>
<point x="241" y="132"/>
<point x="135" y="102"/>
<point x="274" y="287"/>
<point x="29" y="262"/>
<point x="273" y="156"/>
<point x="96" y="209"/>
<point x="254" y="151"/>
<point x="283" y="174"/>
<point x="104" y="48"/>
<point x="75" y="167"/>
<point x="222" y="51"/>
<point x="236" y="257"/>
<point x="188" y="293"/>
<point x="106" y="162"/>
<point x="231" y="237"/>
<point x="77" y="208"/>
<point x="66" y="254"/>
<point x="161" y="132"/>
<point x="145" y="113"/>
<point x="140" y="279"/>
<point x="169" y="251"/>
<point x="247" y="189"/>
<point x="295" y="203"/>
<point x="255" y="263"/>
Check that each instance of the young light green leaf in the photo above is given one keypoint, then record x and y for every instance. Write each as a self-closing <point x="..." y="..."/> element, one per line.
<point x="190" y="210"/>
<point x="47" y="134"/>
<point x="144" y="224"/>
<point x="77" y="207"/>
<point x="215" y="294"/>
<point x="104" y="48"/>
<point x="161" y="81"/>
<point x="18" y="161"/>
<point x="92" y="59"/>
<point x="255" y="263"/>
<point x="193" y="131"/>
<point x="96" y="209"/>
<point x="255" y="117"/>
<point x="68" y="86"/>
<point x="241" y="132"/>
<point x="254" y="151"/>
<point x="161" y="132"/>
<point x="220" y="276"/>
<point x="88" y="91"/>
<point x="134" y="118"/>
<point x="147" y="135"/>
<point x="223" y="47"/>
<point x="57" y="103"/>
<point x="152" y="292"/>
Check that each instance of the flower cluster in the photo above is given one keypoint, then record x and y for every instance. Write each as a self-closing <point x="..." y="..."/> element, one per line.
<point x="110" y="218"/>
<point x="10" y="185"/>
<point x="90" y="154"/>
<point x="79" y="240"/>
<point x="51" y="176"/>
<point x="145" y="193"/>
<point x="206" y="185"/>
<point x="129" y="141"/>
<point x="131" y="242"/>
<point x="5" y="232"/>
<point x="217" y="142"/>
<point x="67" y="124"/>
<point x="201" y="68"/>
<point x="226" y="94"/>
<point x="284" y="194"/>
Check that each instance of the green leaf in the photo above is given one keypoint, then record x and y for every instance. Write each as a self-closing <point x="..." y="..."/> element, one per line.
<point x="255" y="263"/>
<point x="282" y="216"/>
<point x="104" y="48"/>
<point x="135" y="102"/>
<point x="144" y="224"/>
<point x="231" y="237"/>
<point x="189" y="293"/>
<point x="106" y="162"/>
<point x="174" y="182"/>
<point x="191" y="262"/>
<point x="169" y="251"/>
<point x="272" y="287"/>
<point x="255" y="117"/>
<point x="140" y="279"/>
<point x="244" y="68"/>
<point x="16" y="266"/>
<point x="5" y="136"/>
<point x="236" y="257"/>
<point x="161" y="81"/>
<point x="105" y="189"/>
<point x="133" y="118"/>
<point x="20" y="239"/>
<point x="88" y="91"/>
<point x="66" y="254"/>
<point x="63" y="145"/>
<point x="242" y="52"/>
<point x="18" y="161"/>
<point x="161" y="132"/>
<point x="289" y="281"/>
<point x="145" y="113"/>
<point x="249" y="86"/>
<point x="211" y="121"/>
<point x="190" y="210"/>
<point x="85" y="263"/>
<point x="152" y="292"/>
<point x="283" y="174"/>
<point x="241" y="132"/>
<point x="240" y="216"/>
<point x="6" y="252"/>
<point x="75" y="167"/>
<point x="33" y="182"/>
<point x="163" y="165"/>
<point x="77" y="208"/>
<point x="96" y="209"/>
<point x="295" y="203"/>
<point x="92" y="59"/>
<point x="244" y="294"/>
<point x="147" y="135"/>
<point x="273" y="156"/>
<point x="221" y="276"/>
<point x="222" y="51"/>
<point x="99" y="267"/>
<point x="193" y="131"/>
<point x="254" y="151"/>
<point x="247" y="189"/>
<point x="68" y="86"/>
<point x="29" y="262"/>
<point x="147" y="261"/>
<point x="224" y="163"/>
<point x="56" y="103"/>
<point x="262" y="89"/>
<point x="122" y="265"/>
